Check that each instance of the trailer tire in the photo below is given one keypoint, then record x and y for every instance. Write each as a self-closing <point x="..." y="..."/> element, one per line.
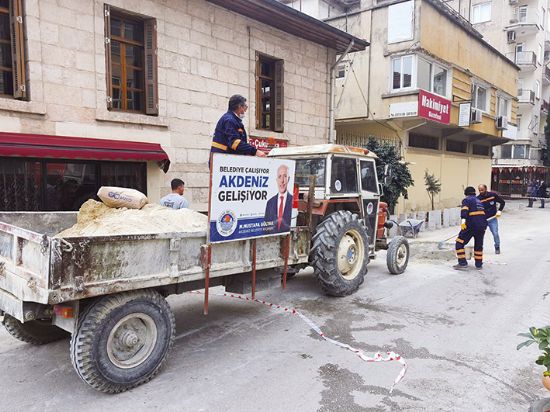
<point x="123" y="340"/>
<point x="35" y="332"/>
<point x="339" y="254"/>
<point x="397" y="257"/>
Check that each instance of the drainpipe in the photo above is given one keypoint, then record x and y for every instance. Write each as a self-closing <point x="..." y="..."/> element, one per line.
<point x="331" y="131"/>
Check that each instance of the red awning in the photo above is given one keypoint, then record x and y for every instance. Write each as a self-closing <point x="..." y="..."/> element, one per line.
<point x="63" y="147"/>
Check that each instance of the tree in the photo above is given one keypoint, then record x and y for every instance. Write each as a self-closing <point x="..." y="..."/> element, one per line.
<point x="433" y="186"/>
<point x="546" y="149"/>
<point x="399" y="177"/>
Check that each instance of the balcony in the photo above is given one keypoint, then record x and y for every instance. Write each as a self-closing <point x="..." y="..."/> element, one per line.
<point x="526" y="96"/>
<point x="526" y="60"/>
<point x="546" y="75"/>
<point x="526" y="21"/>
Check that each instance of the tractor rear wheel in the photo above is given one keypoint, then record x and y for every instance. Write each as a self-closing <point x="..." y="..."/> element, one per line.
<point x="339" y="253"/>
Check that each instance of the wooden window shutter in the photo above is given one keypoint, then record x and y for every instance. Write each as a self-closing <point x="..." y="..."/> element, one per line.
<point x="108" y="67"/>
<point x="279" y="95"/>
<point x="18" y="49"/>
<point x="151" y="82"/>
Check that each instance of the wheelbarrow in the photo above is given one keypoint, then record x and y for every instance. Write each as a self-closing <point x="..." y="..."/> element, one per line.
<point x="410" y="227"/>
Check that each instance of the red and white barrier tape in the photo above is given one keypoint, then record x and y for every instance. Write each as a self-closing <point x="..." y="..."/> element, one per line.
<point x="377" y="357"/>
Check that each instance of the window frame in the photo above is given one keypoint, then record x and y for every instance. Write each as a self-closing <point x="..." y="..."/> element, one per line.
<point x="474" y="146"/>
<point x="415" y="62"/>
<point x="450" y="142"/>
<point x="476" y="86"/>
<point x="508" y="103"/>
<point x="16" y="43"/>
<point x="141" y="170"/>
<point x="149" y="90"/>
<point x="399" y="7"/>
<point x="413" y="73"/>
<point x="276" y="97"/>
<point x="479" y="7"/>
<point x="424" y="147"/>
<point x="521" y="9"/>
<point x="345" y="190"/>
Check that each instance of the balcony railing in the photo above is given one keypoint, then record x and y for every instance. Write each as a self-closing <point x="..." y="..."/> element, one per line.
<point x="526" y="96"/>
<point x="525" y="17"/>
<point x="525" y="59"/>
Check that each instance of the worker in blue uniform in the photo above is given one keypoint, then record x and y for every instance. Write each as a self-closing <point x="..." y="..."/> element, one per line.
<point x="490" y="200"/>
<point x="473" y="225"/>
<point x="230" y="135"/>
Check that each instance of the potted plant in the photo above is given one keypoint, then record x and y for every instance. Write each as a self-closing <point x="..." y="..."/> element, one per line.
<point x="540" y="336"/>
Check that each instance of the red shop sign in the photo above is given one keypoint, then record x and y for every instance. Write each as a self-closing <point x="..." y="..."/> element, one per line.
<point x="434" y="107"/>
<point x="265" y="144"/>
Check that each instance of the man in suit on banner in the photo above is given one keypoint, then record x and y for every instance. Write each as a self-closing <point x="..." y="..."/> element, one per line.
<point x="278" y="210"/>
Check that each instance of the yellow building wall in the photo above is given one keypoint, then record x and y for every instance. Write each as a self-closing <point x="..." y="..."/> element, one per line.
<point x="450" y="42"/>
<point x="455" y="172"/>
<point x="462" y="90"/>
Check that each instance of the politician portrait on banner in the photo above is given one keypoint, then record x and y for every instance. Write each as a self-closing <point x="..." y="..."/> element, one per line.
<point x="278" y="210"/>
<point x="250" y="197"/>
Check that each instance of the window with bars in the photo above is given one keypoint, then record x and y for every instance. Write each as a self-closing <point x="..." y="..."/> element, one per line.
<point x="54" y="185"/>
<point x="269" y="93"/>
<point x="131" y="59"/>
<point x="12" y="50"/>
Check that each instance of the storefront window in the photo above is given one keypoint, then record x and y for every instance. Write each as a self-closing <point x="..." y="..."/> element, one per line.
<point x="34" y="185"/>
<point x="68" y="185"/>
<point x="20" y="184"/>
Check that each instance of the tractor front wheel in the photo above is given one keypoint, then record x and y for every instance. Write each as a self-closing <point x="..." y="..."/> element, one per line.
<point x="339" y="253"/>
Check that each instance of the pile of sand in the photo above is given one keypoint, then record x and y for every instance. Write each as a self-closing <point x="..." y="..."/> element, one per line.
<point x="96" y="219"/>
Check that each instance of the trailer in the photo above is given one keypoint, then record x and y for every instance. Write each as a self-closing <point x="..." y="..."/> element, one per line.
<point x="108" y="292"/>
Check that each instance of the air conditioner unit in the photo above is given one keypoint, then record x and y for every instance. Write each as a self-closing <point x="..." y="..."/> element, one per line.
<point x="511" y="36"/>
<point x="477" y="116"/>
<point x="502" y="123"/>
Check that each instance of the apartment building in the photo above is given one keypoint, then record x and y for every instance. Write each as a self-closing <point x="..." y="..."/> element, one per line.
<point x="518" y="29"/>
<point x="430" y="84"/>
<point x="95" y="93"/>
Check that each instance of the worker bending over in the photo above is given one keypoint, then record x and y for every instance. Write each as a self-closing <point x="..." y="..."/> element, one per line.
<point x="474" y="224"/>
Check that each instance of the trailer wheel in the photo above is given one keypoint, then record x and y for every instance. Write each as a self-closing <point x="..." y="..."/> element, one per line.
<point x="123" y="340"/>
<point x="339" y="253"/>
<point x="397" y="257"/>
<point x="36" y="332"/>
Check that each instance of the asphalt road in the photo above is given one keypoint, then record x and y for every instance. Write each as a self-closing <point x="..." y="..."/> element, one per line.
<point x="457" y="331"/>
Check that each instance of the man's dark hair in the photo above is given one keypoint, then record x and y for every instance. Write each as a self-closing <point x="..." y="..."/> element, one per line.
<point x="176" y="183"/>
<point x="469" y="191"/>
<point x="235" y="101"/>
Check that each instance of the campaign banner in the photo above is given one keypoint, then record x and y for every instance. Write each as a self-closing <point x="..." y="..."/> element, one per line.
<point x="250" y="197"/>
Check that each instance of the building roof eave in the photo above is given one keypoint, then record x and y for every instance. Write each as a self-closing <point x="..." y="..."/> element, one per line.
<point x="289" y="20"/>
